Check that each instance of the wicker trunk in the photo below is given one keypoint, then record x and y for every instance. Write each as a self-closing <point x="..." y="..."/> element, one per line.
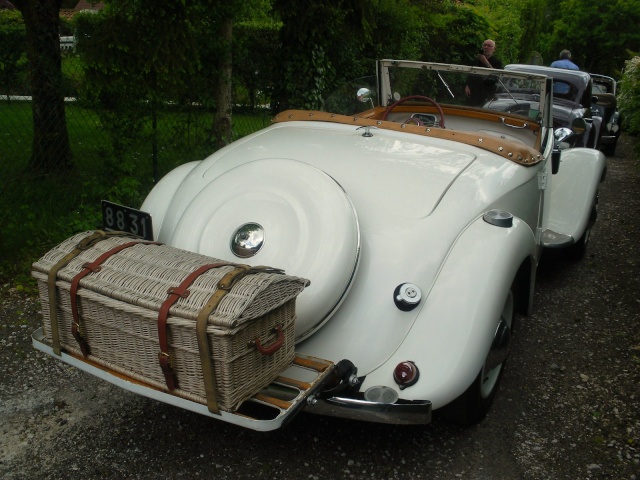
<point x="201" y="328"/>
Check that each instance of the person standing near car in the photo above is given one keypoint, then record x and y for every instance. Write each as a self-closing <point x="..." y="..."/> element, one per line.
<point x="560" y="87"/>
<point x="565" y="61"/>
<point x="477" y="89"/>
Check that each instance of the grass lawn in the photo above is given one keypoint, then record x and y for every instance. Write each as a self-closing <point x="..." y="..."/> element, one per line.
<point x="39" y="211"/>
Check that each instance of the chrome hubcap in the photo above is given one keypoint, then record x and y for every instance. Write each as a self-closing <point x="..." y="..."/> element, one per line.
<point x="247" y="240"/>
<point x="499" y="350"/>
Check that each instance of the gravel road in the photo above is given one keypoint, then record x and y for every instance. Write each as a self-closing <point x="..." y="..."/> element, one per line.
<point x="569" y="405"/>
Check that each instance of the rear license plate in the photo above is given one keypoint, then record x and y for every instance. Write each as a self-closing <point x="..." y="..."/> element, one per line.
<point x="125" y="219"/>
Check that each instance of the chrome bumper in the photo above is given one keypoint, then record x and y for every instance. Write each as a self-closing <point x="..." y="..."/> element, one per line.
<point x="403" y="412"/>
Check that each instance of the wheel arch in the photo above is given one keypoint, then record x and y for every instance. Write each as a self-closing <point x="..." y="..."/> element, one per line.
<point x="456" y="325"/>
<point x="159" y="199"/>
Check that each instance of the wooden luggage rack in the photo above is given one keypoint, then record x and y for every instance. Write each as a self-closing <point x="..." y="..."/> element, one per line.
<point x="268" y="409"/>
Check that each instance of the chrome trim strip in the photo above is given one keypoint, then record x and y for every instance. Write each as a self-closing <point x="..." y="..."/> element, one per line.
<point x="354" y="270"/>
<point x="403" y="412"/>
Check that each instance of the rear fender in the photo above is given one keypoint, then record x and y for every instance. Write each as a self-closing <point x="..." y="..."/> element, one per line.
<point x="453" y="332"/>
<point x="574" y="190"/>
<point x="160" y="197"/>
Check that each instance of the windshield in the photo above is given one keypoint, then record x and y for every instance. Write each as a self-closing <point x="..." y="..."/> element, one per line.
<point x="478" y="88"/>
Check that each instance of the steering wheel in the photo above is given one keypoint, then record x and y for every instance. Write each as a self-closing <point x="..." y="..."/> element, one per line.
<point x="415" y="97"/>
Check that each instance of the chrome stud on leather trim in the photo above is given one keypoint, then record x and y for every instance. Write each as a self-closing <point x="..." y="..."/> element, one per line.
<point x="247" y="240"/>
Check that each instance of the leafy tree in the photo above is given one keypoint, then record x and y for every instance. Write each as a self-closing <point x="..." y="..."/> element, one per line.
<point x="130" y="73"/>
<point x="454" y="32"/>
<point x="600" y="35"/>
<point x="220" y="16"/>
<point x="318" y="39"/>
<point x="532" y="21"/>
<point x="398" y="31"/>
<point x="255" y="58"/>
<point x="12" y="48"/>
<point x="629" y="100"/>
<point x="509" y="22"/>
<point x="51" y="150"/>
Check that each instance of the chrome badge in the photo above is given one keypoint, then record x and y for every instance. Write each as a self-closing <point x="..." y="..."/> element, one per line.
<point x="247" y="240"/>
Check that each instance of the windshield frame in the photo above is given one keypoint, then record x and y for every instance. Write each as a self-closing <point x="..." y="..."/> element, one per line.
<point x="386" y="93"/>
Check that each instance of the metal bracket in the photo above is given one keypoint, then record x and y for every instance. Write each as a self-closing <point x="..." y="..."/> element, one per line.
<point x="542" y="180"/>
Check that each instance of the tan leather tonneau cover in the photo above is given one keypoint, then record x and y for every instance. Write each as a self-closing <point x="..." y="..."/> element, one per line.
<point x="516" y="152"/>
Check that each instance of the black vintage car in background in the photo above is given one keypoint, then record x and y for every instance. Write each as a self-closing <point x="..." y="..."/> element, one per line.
<point x="572" y="104"/>
<point x="605" y="105"/>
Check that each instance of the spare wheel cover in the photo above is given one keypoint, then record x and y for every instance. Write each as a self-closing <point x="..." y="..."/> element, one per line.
<point x="303" y="221"/>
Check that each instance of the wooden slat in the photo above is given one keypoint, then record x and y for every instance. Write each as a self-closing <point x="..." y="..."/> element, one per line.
<point x="283" y="404"/>
<point x="317" y="365"/>
<point x="294" y="383"/>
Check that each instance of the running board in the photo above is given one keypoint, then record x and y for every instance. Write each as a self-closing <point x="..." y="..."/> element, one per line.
<point x="269" y="409"/>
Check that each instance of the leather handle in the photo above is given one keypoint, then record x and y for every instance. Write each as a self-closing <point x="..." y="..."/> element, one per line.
<point x="274" y="347"/>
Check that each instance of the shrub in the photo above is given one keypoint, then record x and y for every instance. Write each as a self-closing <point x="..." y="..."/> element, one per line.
<point x="629" y="99"/>
<point x="13" y="45"/>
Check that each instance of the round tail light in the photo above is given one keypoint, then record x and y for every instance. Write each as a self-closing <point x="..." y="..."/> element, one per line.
<point x="406" y="374"/>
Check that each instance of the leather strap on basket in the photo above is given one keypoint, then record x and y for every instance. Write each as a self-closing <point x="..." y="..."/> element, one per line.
<point x="87" y="268"/>
<point x="173" y="294"/>
<point x="84" y="244"/>
<point x="224" y="286"/>
<point x="208" y="371"/>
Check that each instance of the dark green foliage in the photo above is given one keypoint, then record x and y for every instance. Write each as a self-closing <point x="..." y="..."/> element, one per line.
<point x="600" y="35"/>
<point x="13" y="51"/>
<point x="629" y="98"/>
<point x="455" y="33"/>
<point x="532" y="22"/>
<point x="255" y="53"/>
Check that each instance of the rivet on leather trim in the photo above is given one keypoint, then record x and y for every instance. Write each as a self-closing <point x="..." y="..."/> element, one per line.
<point x="510" y="154"/>
<point x="500" y="149"/>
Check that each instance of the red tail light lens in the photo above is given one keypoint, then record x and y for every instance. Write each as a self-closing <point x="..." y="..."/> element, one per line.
<point x="406" y="374"/>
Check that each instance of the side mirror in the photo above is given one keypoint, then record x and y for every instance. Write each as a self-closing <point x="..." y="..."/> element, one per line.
<point x="562" y="137"/>
<point x="364" y="95"/>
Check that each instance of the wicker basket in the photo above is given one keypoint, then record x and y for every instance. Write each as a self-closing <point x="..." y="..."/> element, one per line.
<point x="118" y="308"/>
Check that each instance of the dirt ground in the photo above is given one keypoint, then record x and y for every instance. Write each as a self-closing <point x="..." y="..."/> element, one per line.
<point x="568" y="408"/>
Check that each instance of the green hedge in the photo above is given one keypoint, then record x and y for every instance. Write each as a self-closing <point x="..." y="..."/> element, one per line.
<point x="629" y="98"/>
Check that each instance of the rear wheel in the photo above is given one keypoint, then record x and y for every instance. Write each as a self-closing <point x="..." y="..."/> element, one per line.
<point x="609" y="149"/>
<point x="473" y="405"/>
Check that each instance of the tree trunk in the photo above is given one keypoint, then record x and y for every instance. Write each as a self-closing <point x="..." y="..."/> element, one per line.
<point x="51" y="150"/>
<point x="222" y="117"/>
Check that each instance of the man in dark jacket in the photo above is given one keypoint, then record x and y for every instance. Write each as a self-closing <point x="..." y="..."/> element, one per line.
<point x="479" y="88"/>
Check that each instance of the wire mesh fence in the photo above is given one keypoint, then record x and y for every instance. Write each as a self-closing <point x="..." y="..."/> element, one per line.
<point x="115" y="153"/>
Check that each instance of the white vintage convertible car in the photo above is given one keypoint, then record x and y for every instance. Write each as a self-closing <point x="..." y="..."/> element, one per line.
<point x="419" y="220"/>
